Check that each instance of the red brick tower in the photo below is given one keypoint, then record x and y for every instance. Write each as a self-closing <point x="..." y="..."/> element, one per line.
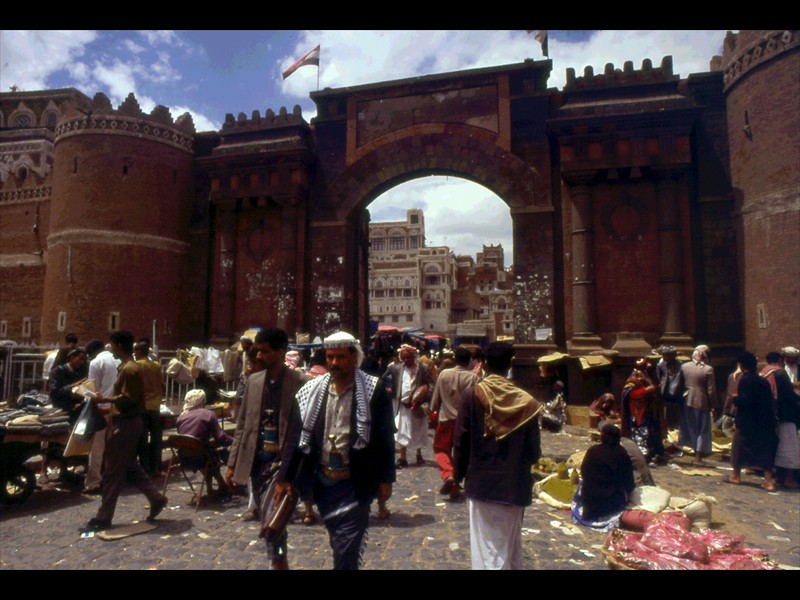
<point x="762" y="87"/>
<point x="117" y="249"/>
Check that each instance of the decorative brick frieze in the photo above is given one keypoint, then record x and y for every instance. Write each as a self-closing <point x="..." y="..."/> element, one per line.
<point x="757" y="53"/>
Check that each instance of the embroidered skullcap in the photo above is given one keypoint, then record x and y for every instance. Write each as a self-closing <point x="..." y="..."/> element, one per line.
<point x="194" y="399"/>
<point x="342" y="339"/>
<point x="408" y="348"/>
<point x="790" y="351"/>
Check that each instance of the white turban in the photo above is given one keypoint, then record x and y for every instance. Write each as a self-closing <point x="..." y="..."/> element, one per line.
<point x="790" y="351"/>
<point x="194" y="399"/>
<point x="342" y="339"/>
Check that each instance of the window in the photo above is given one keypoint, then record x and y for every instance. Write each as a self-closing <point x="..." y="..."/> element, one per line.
<point x="413" y="242"/>
<point x="26" y="327"/>
<point x="761" y="316"/>
<point x="61" y="324"/>
<point x="407" y="293"/>
<point x="378" y="244"/>
<point x="431" y="280"/>
<point x="414" y="218"/>
<point x="379" y="293"/>
<point x="397" y="243"/>
<point x="395" y="318"/>
<point x="3" y="329"/>
<point x="408" y="318"/>
<point x="113" y="321"/>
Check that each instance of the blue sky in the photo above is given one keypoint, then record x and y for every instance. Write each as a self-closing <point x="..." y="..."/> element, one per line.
<point x="213" y="72"/>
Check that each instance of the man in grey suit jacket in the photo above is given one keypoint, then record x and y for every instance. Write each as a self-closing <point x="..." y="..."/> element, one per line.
<point x="701" y="397"/>
<point x="268" y="410"/>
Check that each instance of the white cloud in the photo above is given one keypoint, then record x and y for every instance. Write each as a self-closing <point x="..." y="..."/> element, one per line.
<point x="160" y="71"/>
<point x="28" y="57"/>
<point x="133" y="47"/>
<point x="458" y="213"/>
<point x="118" y="78"/>
<point x="157" y="37"/>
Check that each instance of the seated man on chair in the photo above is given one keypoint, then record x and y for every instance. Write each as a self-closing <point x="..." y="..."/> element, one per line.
<point x="199" y="422"/>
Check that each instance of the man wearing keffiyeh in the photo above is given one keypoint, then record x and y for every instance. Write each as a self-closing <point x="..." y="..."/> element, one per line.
<point x="345" y="447"/>
<point x="495" y="444"/>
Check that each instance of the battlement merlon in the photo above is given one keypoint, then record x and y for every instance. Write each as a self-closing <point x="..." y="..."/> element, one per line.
<point x="268" y="121"/>
<point x="101" y="105"/>
<point x="625" y="76"/>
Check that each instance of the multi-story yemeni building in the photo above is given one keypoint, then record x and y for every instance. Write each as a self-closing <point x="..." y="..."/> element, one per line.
<point x="410" y="284"/>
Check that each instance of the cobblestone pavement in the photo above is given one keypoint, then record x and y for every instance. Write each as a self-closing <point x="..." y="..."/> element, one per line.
<point x="423" y="532"/>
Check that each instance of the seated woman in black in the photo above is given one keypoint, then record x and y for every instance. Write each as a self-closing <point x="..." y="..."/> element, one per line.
<point x="607" y="479"/>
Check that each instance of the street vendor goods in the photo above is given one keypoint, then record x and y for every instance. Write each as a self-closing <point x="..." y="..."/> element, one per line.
<point x="665" y="545"/>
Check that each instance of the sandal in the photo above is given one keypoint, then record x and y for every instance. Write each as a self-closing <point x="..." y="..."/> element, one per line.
<point x="730" y="479"/>
<point x="309" y="519"/>
<point x="383" y="513"/>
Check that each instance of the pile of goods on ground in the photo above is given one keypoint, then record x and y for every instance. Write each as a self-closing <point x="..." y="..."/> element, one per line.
<point x="667" y="544"/>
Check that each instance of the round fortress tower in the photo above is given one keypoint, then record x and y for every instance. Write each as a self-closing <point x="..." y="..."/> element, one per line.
<point x="762" y="87"/>
<point x="117" y="248"/>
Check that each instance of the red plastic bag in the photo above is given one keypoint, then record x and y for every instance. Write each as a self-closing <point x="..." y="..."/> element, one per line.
<point x="668" y="538"/>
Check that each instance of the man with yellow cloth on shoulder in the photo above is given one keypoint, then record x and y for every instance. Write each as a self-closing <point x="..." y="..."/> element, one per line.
<point x="495" y="444"/>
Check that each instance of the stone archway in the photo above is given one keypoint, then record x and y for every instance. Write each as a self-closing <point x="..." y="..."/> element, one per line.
<point x="441" y="149"/>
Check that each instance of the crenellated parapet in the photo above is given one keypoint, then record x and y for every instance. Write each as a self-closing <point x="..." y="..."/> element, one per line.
<point x="270" y="119"/>
<point x="745" y="51"/>
<point x="128" y="120"/>
<point x="626" y="76"/>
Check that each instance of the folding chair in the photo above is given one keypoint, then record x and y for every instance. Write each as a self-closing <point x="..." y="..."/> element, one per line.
<point x="187" y="446"/>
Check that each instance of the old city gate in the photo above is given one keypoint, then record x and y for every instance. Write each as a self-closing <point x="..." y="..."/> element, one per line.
<point x="288" y="199"/>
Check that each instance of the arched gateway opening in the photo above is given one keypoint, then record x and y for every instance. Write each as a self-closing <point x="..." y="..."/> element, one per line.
<point x="440" y="254"/>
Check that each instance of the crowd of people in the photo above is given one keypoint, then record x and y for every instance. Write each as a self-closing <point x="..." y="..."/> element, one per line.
<point x="323" y="428"/>
<point x="761" y="412"/>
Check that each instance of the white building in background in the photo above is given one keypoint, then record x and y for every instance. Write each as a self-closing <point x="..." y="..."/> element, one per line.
<point x="410" y="285"/>
<point x="414" y="285"/>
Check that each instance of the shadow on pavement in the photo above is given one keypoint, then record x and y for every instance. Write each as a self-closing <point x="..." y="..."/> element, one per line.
<point x="402" y="520"/>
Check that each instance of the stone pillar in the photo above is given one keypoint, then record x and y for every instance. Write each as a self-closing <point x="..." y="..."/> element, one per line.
<point x="671" y="284"/>
<point x="291" y="264"/>
<point x="332" y="278"/>
<point x="223" y="300"/>
<point x="584" y="303"/>
<point x="534" y="281"/>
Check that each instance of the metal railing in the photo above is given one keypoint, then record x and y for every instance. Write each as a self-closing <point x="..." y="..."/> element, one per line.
<point x="21" y="371"/>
